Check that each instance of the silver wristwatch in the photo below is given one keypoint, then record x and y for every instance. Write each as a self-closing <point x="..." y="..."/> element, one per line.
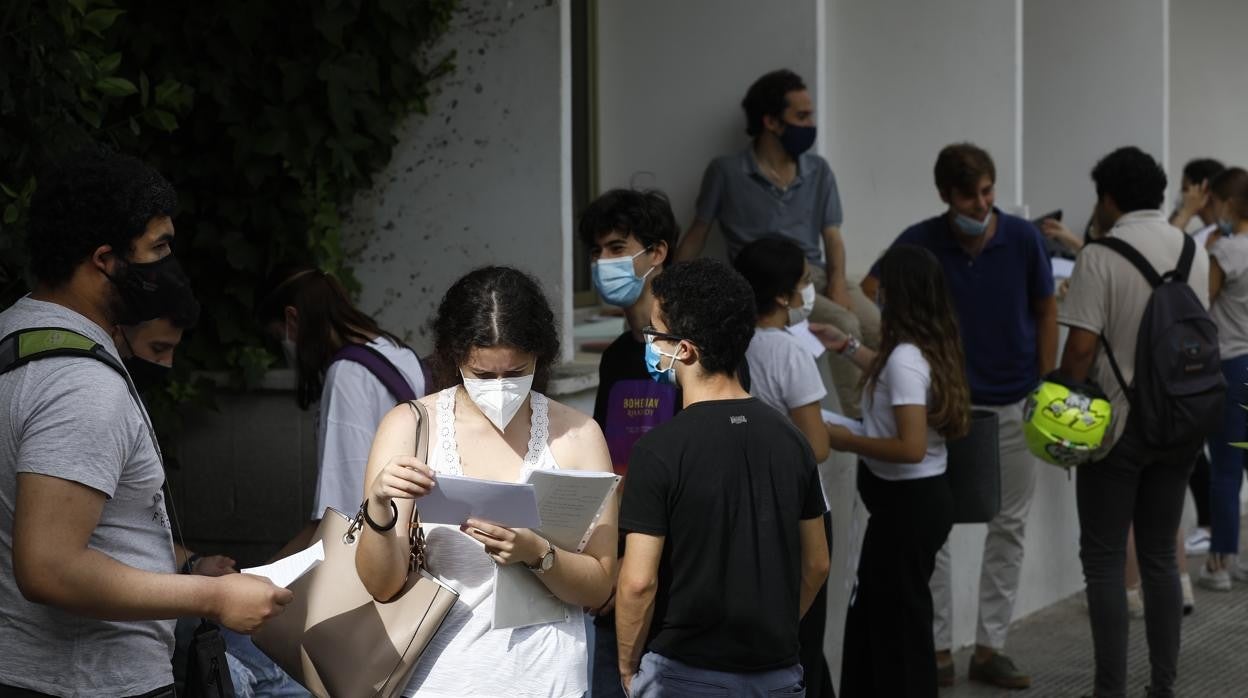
<point x="545" y="562"/>
<point x="851" y="346"/>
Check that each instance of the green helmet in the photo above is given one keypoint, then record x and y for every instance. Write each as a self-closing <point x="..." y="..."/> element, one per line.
<point x="1064" y="425"/>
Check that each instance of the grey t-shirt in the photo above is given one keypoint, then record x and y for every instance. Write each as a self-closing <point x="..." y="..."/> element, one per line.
<point x="749" y="206"/>
<point x="1230" y="308"/>
<point x="73" y="418"/>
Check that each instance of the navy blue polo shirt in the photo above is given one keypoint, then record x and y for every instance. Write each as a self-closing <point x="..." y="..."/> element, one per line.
<point x="994" y="296"/>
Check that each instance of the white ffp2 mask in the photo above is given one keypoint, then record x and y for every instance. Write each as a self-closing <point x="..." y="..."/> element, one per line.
<point x="499" y="399"/>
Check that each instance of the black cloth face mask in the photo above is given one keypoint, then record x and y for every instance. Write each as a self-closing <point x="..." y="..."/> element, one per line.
<point x="147" y="375"/>
<point x="150" y="289"/>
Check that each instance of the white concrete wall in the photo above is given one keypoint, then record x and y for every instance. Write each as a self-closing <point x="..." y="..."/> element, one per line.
<point x="1094" y="80"/>
<point x="671" y="76"/>
<point x="904" y="79"/>
<point x="484" y="179"/>
<point x="1208" y="84"/>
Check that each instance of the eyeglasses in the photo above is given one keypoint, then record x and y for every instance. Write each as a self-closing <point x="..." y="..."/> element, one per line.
<point x="650" y="334"/>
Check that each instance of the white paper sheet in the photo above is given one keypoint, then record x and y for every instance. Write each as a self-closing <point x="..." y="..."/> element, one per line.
<point x="1202" y="236"/>
<point x="285" y="571"/>
<point x="807" y="339"/>
<point x="570" y="502"/>
<point x="455" y="499"/>
<point x="1062" y="267"/>
<point x="853" y="425"/>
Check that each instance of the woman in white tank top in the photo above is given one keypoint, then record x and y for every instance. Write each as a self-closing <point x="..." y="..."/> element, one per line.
<point x="495" y="339"/>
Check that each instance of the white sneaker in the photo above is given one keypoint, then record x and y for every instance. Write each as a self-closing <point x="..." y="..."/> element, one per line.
<point x="1239" y="571"/>
<point x="1189" y="599"/>
<point x="1214" y="581"/>
<point x="1197" y="542"/>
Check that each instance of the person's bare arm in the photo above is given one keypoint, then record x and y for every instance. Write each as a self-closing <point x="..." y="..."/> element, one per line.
<point x="634" y="605"/>
<point x="1046" y="333"/>
<point x="1078" y="355"/>
<point x="1194" y="199"/>
<point x="815" y="561"/>
<point x="834" y="249"/>
<point x="909" y="446"/>
<point x="54" y="566"/>
<point x="809" y="420"/>
<point x="394" y="480"/>
<point x="870" y="287"/>
<point x="1057" y="231"/>
<point x="835" y="340"/>
<point x="693" y="242"/>
<point x="1216" y="278"/>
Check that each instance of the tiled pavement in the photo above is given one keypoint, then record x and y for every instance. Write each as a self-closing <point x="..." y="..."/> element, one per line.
<point x="1055" y="646"/>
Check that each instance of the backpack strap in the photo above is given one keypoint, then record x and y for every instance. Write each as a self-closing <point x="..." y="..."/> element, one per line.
<point x="1185" y="260"/>
<point x="381" y="368"/>
<point x="1136" y="259"/>
<point x="23" y="346"/>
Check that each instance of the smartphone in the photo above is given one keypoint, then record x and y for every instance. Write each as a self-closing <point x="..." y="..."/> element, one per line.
<point x="1055" y="215"/>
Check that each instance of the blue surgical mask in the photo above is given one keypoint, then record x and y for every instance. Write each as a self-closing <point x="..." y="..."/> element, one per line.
<point x="1224" y="224"/>
<point x="654" y="362"/>
<point x="617" y="282"/>
<point x="797" y="139"/>
<point x="972" y="227"/>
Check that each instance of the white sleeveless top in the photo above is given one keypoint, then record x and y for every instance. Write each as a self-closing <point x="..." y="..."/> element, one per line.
<point x="466" y="657"/>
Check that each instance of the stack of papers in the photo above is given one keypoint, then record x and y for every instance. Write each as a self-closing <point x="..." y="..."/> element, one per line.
<point x="285" y="571"/>
<point x="455" y="499"/>
<point x="853" y="425"/>
<point x="807" y="339"/>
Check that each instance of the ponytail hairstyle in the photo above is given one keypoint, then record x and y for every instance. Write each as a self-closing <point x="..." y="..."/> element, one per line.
<point x="328" y="321"/>
<point x="917" y="309"/>
<point x="1231" y="185"/>
<point x="494" y="307"/>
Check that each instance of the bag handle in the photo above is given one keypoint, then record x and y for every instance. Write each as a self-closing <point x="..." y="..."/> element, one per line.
<point x="416" y="534"/>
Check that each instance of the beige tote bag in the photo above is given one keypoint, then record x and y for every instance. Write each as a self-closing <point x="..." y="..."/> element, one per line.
<point x="334" y="638"/>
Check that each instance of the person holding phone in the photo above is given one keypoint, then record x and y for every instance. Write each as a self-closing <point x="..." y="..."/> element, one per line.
<point x="915" y="398"/>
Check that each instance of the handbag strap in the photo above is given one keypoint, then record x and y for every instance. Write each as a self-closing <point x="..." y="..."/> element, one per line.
<point x="416" y="534"/>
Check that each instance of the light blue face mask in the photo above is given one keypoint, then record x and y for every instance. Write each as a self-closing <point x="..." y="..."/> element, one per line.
<point x="617" y="282"/>
<point x="654" y="361"/>
<point x="1224" y="224"/>
<point x="972" y="227"/>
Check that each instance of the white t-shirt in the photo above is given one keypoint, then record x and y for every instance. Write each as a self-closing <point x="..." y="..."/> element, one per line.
<point x="352" y="404"/>
<point x="782" y="373"/>
<point x="1230" y="308"/>
<point x="905" y="380"/>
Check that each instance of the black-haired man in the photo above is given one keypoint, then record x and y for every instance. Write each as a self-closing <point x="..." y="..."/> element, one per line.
<point x="775" y="185"/>
<point x="1131" y="482"/>
<point x="87" y="568"/>
<point x="725" y="547"/>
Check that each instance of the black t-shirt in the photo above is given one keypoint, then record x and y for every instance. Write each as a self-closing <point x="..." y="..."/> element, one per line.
<point x="726" y="482"/>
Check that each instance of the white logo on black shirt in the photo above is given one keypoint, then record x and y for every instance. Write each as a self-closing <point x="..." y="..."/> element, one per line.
<point x="737" y="419"/>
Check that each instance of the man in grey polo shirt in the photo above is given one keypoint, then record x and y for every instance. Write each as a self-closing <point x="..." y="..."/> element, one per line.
<point x="775" y="185"/>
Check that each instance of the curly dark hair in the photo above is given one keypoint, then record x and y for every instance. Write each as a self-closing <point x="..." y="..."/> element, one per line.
<point x="773" y="266"/>
<point x="490" y="307"/>
<point x="645" y="214"/>
<point x="960" y="166"/>
<point x="712" y="306"/>
<point x="91" y="198"/>
<point x="919" y="310"/>
<point x="768" y="96"/>
<point x="1132" y="178"/>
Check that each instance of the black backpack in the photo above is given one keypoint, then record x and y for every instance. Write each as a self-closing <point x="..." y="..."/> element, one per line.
<point x="1179" y="392"/>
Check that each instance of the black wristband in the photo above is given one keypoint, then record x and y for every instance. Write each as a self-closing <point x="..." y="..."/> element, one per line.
<point x="188" y="567"/>
<point x="394" y="510"/>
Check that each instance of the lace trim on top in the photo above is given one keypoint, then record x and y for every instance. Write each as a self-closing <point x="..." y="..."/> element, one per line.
<point x="539" y="432"/>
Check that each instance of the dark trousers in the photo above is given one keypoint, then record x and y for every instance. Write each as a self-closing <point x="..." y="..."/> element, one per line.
<point x="810" y="634"/>
<point x="889" y="649"/>
<point x="14" y="692"/>
<point x="1132" y="485"/>
<point x="1199" y="482"/>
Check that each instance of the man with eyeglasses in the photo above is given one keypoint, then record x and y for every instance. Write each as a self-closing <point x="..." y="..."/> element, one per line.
<point x="725" y="547"/>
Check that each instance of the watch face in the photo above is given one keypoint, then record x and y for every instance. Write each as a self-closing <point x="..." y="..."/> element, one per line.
<point x="548" y="561"/>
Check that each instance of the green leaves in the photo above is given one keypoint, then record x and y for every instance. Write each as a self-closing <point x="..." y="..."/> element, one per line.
<point x="115" y="87"/>
<point x="99" y="20"/>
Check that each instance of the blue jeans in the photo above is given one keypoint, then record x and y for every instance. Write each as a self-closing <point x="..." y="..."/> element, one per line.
<point x="255" y="674"/>
<point x="1227" y="462"/>
<point x="663" y="677"/>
